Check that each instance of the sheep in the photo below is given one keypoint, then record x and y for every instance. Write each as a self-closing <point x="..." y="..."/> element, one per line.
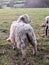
<point x="21" y="34"/>
<point x="47" y="19"/>
<point x="46" y="26"/>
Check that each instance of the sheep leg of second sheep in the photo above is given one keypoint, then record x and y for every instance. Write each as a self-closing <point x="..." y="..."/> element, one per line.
<point x="32" y="39"/>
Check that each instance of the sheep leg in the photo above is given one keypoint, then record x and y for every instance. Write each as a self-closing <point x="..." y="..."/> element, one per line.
<point x="34" y="49"/>
<point x="32" y="39"/>
<point x="14" y="45"/>
<point x="23" y="50"/>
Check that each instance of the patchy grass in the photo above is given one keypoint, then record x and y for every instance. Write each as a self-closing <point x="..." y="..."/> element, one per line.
<point x="10" y="57"/>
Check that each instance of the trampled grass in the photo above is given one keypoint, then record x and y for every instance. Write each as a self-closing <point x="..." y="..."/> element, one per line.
<point x="37" y="16"/>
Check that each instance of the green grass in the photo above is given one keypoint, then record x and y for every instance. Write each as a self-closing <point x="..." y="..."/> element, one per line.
<point x="37" y="16"/>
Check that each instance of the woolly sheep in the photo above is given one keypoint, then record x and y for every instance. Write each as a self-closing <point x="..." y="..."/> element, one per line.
<point x="47" y="19"/>
<point x="21" y="34"/>
<point x="46" y="26"/>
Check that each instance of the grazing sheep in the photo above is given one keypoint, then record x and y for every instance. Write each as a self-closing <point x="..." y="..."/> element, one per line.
<point x="21" y="34"/>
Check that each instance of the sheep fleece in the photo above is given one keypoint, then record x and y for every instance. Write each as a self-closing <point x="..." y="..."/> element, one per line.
<point x="18" y="34"/>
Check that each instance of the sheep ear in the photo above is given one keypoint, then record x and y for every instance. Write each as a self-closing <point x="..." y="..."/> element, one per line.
<point x="22" y="19"/>
<point x="47" y="21"/>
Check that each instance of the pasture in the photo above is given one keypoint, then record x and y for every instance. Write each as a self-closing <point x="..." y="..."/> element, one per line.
<point x="13" y="57"/>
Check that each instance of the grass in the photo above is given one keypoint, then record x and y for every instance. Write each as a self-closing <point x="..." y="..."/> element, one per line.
<point x="37" y="16"/>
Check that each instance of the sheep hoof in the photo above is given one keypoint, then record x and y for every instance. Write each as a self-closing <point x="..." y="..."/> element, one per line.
<point x="35" y="54"/>
<point x="14" y="49"/>
<point x="24" y="59"/>
<point x="8" y="40"/>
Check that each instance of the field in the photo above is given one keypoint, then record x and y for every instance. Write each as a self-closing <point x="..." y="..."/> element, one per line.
<point x="10" y="57"/>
